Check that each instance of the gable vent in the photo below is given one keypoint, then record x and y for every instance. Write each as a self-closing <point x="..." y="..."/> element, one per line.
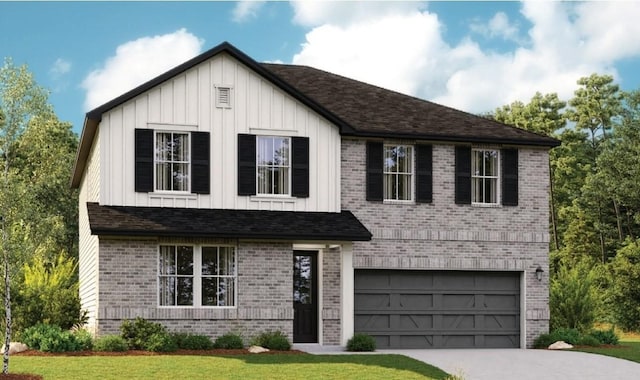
<point x="223" y="96"/>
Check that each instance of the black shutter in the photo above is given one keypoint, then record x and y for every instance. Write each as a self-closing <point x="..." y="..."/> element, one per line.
<point x="509" y="177"/>
<point x="200" y="182"/>
<point x="300" y="167"/>
<point x="424" y="177"/>
<point x="144" y="160"/>
<point x="374" y="171"/>
<point x="246" y="164"/>
<point x="463" y="175"/>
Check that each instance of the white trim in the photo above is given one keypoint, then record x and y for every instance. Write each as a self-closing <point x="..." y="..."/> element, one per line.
<point x="216" y="93"/>
<point x="173" y="127"/>
<point x="346" y="275"/>
<point x="319" y="282"/>
<point x="274" y="132"/>
<point x="289" y="167"/>
<point x="497" y="177"/>
<point x="412" y="174"/>
<point x="523" y="309"/>
<point x="188" y="162"/>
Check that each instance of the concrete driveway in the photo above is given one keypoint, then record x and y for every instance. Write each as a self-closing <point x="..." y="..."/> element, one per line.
<point x="525" y="364"/>
<point x="514" y="364"/>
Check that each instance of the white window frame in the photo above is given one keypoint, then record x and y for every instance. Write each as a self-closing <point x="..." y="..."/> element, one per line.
<point x="258" y="166"/>
<point x="482" y="177"/>
<point x="197" y="276"/>
<point x="398" y="173"/>
<point x="187" y="162"/>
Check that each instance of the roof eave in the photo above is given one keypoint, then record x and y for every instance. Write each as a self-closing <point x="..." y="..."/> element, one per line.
<point x="550" y="142"/>
<point x="196" y="234"/>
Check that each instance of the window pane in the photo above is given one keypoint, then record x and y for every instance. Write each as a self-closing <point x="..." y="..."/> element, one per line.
<point x="167" y="260"/>
<point x="404" y="187"/>
<point x="163" y="146"/>
<point x="476" y="190"/>
<point x="209" y="260"/>
<point x="184" y="291"/>
<point x="209" y="290"/>
<point x="163" y="176"/>
<point x="180" y="177"/>
<point x="167" y="291"/>
<point x="226" y="291"/>
<point x="184" y="260"/>
<point x="478" y="163"/>
<point x="490" y="193"/>
<point x="280" y="180"/>
<point x="491" y="161"/>
<point x="180" y="147"/>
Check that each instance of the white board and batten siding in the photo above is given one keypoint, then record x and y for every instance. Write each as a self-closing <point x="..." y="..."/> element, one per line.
<point x="187" y="103"/>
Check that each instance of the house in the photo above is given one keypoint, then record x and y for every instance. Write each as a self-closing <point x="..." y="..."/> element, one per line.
<point x="231" y="195"/>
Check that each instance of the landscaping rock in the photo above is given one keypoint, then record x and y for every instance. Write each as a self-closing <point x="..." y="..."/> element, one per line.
<point x="15" y="347"/>
<point x="560" y="345"/>
<point x="257" y="349"/>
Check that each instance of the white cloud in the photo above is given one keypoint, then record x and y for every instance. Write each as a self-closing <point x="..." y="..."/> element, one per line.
<point x="246" y="10"/>
<point x="136" y="62"/>
<point x="402" y="48"/>
<point x="59" y="68"/>
<point x="498" y="26"/>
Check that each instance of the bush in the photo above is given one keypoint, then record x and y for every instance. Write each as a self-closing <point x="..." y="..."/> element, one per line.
<point x="187" y="341"/>
<point x="588" y="340"/>
<point x="571" y="336"/>
<point x="110" y="343"/>
<point x="139" y="331"/>
<point x="543" y="341"/>
<point x="50" y="338"/>
<point x="84" y="339"/>
<point x="605" y="336"/>
<point x="275" y="340"/>
<point x="572" y="299"/>
<point x="160" y="342"/>
<point x="229" y="341"/>
<point x="48" y="293"/>
<point x="361" y="342"/>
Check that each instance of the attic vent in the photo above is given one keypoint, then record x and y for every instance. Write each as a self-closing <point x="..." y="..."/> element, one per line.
<point x="223" y="96"/>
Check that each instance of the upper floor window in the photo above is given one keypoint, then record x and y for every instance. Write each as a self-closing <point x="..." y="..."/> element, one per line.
<point x="398" y="172"/>
<point x="172" y="161"/>
<point x="485" y="176"/>
<point x="273" y="165"/>
<point x="197" y="275"/>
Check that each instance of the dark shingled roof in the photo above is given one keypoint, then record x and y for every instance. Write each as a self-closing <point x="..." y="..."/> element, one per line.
<point x="377" y="112"/>
<point x="224" y="223"/>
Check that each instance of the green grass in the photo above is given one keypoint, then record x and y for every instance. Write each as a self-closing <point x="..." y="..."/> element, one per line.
<point x="627" y="349"/>
<point x="283" y="366"/>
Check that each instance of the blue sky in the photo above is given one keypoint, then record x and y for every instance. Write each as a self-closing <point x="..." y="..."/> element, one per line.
<point x="474" y="56"/>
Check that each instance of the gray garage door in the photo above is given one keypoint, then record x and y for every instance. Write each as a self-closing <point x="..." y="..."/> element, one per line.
<point x="438" y="309"/>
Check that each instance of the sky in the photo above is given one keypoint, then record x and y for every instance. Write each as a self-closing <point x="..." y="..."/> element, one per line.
<point x="474" y="56"/>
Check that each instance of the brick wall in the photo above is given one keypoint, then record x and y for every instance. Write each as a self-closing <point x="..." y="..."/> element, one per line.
<point x="128" y="289"/>
<point x="443" y="235"/>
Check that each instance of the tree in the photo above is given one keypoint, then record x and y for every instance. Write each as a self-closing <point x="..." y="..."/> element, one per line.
<point x="625" y="298"/>
<point x="541" y="115"/>
<point x="21" y="100"/>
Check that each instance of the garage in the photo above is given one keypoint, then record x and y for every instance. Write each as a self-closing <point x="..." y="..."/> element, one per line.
<point x="438" y="309"/>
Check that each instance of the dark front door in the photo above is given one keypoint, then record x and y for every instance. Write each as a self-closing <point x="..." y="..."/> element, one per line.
<point x="305" y="297"/>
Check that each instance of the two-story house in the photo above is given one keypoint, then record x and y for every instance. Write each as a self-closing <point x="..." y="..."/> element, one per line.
<point x="230" y="195"/>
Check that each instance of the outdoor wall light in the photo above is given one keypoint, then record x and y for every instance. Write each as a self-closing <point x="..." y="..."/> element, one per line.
<point x="539" y="272"/>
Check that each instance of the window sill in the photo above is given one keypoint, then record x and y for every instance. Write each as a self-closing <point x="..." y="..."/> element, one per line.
<point x="279" y="198"/>
<point x="486" y="205"/>
<point x="196" y="307"/>
<point x="397" y="202"/>
<point x="173" y="194"/>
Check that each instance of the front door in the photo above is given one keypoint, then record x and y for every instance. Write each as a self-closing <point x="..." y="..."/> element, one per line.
<point x="305" y="297"/>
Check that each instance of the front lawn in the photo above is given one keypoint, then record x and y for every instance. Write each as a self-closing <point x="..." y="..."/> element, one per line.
<point x="277" y="366"/>
<point x="627" y="349"/>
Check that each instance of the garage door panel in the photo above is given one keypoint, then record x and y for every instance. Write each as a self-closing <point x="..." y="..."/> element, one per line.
<point x="438" y="309"/>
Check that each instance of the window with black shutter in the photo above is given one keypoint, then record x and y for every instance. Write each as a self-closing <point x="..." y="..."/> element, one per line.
<point x="463" y="175"/>
<point x="300" y="167"/>
<point x="200" y="178"/>
<point x="143" y="160"/>
<point x="375" y="172"/>
<point x="510" y="177"/>
<point x="424" y="176"/>
<point x="246" y="164"/>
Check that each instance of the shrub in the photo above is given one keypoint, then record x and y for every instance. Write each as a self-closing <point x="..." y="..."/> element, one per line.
<point x="275" y="340"/>
<point x="605" y="336"/>
<point x="50" y="338"/>
<point x="229" y="341"/>
<point x="110" y="343"/>
<point x="543" y="341"/>
<point x="138" y="332"/>
<point x="187" y="341"/>
<point x="571" y="336"/>
<point x="160" y="342"/>
<point x="588" y="340"/>
<point x="572" y="298"/>
<point x="84" y="339"/>
<point x="361" y="342"/>
<point x="48" y="293"/>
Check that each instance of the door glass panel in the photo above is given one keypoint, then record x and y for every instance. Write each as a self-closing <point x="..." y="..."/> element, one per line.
<point x="302" y="279"/>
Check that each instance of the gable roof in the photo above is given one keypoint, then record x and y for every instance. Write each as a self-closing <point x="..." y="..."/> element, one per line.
<point x="225" y="223"/>
<point x="356" y="108"/>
